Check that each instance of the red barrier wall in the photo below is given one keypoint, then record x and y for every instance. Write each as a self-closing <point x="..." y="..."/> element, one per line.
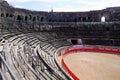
<point x="93" y="49"/>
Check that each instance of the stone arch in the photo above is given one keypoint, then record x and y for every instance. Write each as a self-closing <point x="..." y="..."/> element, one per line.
<point x="2" y="15"/>
<point x="30" y="17"/>
<point x="7" y="15"/>
<point x="34" y="18"/>
<point x="42" y="19"/>
<point x="79" y="18"/>
<point x="19" y="17"/>
<point x="11" y="15"/>
<point x="89" y="18"/>
<point x="26" y="18"/>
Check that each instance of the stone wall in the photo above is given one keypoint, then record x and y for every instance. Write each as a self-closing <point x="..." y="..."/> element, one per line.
<point x="16" y="14"/>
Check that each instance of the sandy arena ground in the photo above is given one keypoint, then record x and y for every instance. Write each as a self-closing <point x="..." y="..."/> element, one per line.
<point x="94" y="66"/>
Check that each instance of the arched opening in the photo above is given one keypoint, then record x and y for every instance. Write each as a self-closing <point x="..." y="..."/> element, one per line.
<point x="79" y="18"/>
<point x="26" y="18"/>
<point x="2" y="15"/>
<point x="11" y="15"/>
<point x="73" y="41"/>
<point x="42" y="18"/>
<point x="7" y="15"/>
<point x="30" y="17"/>
<point x="19" y="18"/>
<point x="102" y="19"/>
<point x="34" y="18"/>
<point x="89" y="18"/>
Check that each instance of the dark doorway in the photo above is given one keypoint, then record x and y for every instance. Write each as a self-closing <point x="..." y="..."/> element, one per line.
<point x="26" y="18"/>
<point x="34" y="18"/>
<point x="2" y="15"/>
<point x="42" y="18"/>
<point x="19" y="18"/>
<point x="74" y="42"/>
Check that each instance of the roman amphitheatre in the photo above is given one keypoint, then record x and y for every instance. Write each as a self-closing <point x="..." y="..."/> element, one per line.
<point x="39" y="45"/>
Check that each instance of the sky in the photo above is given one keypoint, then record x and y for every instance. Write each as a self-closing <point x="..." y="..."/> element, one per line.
<point x="64" y="5"/>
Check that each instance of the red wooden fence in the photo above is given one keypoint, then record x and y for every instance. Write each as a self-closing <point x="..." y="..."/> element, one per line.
<point x="92" y="49"/>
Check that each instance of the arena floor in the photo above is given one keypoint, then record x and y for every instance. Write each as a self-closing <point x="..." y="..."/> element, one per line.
<point x="94" y="66"/>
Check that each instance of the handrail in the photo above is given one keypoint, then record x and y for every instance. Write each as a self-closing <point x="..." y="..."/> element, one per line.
<point x="7" y="66"/>
<point x="62" y="70"/>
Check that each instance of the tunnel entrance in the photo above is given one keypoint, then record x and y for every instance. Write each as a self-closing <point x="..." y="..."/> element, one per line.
<point x="75" y="41"/>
